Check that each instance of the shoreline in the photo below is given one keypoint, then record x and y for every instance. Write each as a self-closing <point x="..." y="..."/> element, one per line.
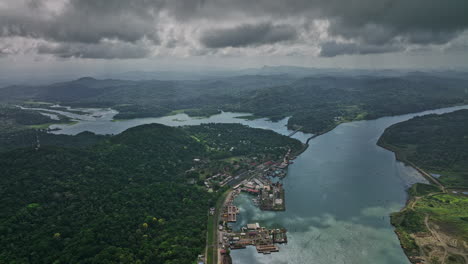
<point x="216" y="256"/>
<point x="225" y="197"/>
<point x="409" y="198"/>
<point x="410" y="202"/>
<point x="426" y="175"/>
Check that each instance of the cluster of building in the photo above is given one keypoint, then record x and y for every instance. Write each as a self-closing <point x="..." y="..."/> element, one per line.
<point x="230" y="211"/>
<point x="269" y="196"/>
<point x="220" y="178"/>
<point x="272" y="200"/>
<point x="262" y="238"/>
<point x="266" y="169"/>
<point x="257" y="180"/>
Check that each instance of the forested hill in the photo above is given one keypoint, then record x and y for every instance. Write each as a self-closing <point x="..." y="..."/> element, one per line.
<point x="26" y="128"/>
<point x="436" y="143"/>
<point x="15" y="119"/>
<point x="147" y="98"/>
<point x="434" y="224"/>
<point x="320" y="103"/>
<point x="126" y="199"/>
<point x="316" y="103"/>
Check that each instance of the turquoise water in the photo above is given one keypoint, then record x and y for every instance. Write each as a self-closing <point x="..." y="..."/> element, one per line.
<point x="339" y="192"/>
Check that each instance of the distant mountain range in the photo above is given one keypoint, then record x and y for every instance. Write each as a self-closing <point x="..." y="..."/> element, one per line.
<point x="204" y="74"/>
<point x="316" y="102"/>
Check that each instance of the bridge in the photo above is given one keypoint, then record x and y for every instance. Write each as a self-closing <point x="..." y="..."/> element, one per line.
<point x="295" y="131"/>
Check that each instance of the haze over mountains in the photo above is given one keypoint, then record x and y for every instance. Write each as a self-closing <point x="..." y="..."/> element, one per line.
<point x="40" y="78"/>
<point x="316" y="99"/>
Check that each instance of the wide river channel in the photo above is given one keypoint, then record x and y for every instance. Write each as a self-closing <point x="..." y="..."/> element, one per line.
<point x="339" y="192"/>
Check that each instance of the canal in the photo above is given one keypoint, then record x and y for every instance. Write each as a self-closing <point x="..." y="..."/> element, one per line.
<point x="339" y="192"/>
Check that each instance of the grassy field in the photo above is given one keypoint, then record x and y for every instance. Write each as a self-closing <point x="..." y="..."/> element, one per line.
<point x="448" y="211"/>
<point x="420" y="189"/>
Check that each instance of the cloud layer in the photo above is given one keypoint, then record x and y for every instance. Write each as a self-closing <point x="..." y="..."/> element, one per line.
<point x="248" y="35"/>
<point x="144" y="28"/>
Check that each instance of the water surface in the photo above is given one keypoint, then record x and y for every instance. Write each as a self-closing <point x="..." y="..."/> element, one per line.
<point x="339" y="195"/>
<point x="339" y="192"/>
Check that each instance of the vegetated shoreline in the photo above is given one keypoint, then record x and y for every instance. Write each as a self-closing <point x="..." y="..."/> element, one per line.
<point x="411" y="199"/>
<point x="398" y="157"/>
<point x="206" y="113"/>
<point x="225" y="196"/>
<point x="379" y="143"/>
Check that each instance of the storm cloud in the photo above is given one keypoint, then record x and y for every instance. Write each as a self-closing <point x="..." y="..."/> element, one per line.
<point x="248" y="35"/>
<point x="332" y="49"/>
<point x="143" y="28"/>
<point x="103" y="50"/>
<point x="82" y="21"/>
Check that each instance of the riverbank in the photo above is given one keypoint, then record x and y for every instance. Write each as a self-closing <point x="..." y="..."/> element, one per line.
<point x="317" y="172"/>
<point x="431" y="227"/>
<point x="399" y="158"/>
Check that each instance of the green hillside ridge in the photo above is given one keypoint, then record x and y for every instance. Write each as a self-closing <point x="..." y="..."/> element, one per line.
<point x="316" y="103"/>
<point x="438" y="144"/>
<point x="127" y="199"/>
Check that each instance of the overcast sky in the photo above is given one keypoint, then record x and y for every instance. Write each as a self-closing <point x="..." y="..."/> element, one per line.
<point x="157" y="34"/>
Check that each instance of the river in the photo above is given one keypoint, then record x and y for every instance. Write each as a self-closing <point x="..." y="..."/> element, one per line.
<point x="339" y="192"/>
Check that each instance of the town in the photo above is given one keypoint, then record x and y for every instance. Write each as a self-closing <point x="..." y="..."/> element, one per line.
<point x="263" y="183"/>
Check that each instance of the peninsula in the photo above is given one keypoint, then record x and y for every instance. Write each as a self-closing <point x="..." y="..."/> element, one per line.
<point x="433" y="227"/>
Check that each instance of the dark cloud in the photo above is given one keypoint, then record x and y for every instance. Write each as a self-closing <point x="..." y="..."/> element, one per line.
<point x="369" y="21"/>
<point x="96" y="51"/>
<point x="248" y="35"/>
<point x="332" y="48"/>
<point x="85" y="21"/>
<point x="372" y="25"/>
<point x="400" y="14"/>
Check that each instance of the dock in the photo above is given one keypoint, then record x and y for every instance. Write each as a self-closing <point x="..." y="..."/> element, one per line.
<point x="267" y="195"/>
<point x="265" y="240"/>
<point x="267" y="249"/>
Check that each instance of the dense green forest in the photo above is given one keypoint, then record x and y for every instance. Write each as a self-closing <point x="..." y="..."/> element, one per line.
<point x="439" y="145"/>
<point x="14" y="119"/>
<point x="31" y="138"/>
<point x="316" y="103"/>
<point x="436" y="143"/>
<point x="125" y="199"/>
<point x="320" y="103"/>
<point x="144" y="98"/>
<point x="27" y="128"/>
<point x="234" y="140"/>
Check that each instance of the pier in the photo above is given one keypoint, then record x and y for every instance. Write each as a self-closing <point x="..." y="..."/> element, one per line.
<point x="265" y="240"/>
<point x="269" y="196"/>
